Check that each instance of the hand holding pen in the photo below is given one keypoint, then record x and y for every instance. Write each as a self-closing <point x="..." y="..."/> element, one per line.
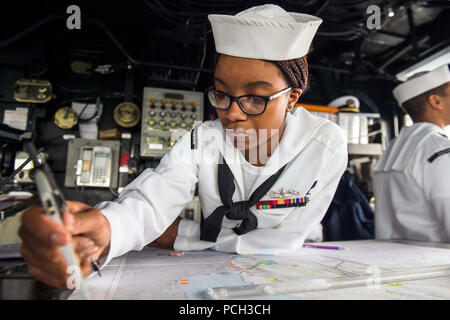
<point x="84" y="227"/>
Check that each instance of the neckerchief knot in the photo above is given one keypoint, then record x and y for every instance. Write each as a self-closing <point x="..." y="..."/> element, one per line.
<point x="211" y="226"/>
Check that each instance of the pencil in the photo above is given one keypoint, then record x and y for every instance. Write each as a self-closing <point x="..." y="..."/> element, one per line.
<point x="317" y="246"/>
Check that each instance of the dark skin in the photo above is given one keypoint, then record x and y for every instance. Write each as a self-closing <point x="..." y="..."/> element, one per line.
<point x="241" y="76"/>
<point x="88" y="230"/>
<point x="85" y="228"/>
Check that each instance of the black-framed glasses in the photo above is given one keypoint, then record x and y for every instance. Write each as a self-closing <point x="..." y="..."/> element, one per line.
<point x="250" y="104"/>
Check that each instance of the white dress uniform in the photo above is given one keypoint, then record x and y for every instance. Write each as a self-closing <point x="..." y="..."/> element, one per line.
<point x="412" y="178"/>
<point x="313" y="149"/>
<point x="412" y="189"/>
<point x="245" y="209"/>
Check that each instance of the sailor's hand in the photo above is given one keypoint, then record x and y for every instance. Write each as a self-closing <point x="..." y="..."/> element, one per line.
<point x="167" y="239"/>
<point x="85" y="228"/>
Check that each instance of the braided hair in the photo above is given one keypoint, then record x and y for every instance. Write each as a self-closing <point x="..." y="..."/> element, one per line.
<point x="295" y="71"/>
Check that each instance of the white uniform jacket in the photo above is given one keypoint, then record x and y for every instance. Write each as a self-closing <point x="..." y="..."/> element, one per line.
<point x="412" y="186"/>
<point x="313" y="148"/>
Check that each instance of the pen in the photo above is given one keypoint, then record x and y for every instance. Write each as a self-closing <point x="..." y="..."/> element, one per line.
<point x="95" y="266"/>
<point x="317" y="246"/>
<point x="54" y="204"/>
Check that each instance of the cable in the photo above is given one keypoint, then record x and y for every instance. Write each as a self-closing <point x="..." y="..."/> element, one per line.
<point x="341" y="33"/>
<point x="114" y="193"/>
<point x="35" y="26"/>
<point x="201" y="63"/>
<point x="82" y="110"/>
<point x="325" y="4"/>
<point x="111" y="36"/>
<point x="64" y="132"/>
<point x="29" y="159"/>
<point x="96" y="114"/>
<point x="156" y="10"/>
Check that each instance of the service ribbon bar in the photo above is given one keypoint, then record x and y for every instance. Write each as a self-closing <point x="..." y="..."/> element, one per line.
<point x="283" y="203"/>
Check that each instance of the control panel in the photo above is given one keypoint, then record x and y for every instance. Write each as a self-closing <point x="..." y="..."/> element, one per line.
<point x="166" y="113"/>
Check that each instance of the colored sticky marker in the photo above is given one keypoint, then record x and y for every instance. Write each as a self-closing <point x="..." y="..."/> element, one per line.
<point x="176" y="254"/>
<point x="394" y="285"/>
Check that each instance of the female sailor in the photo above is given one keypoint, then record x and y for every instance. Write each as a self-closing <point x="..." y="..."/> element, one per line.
<point x="266" y="171"/>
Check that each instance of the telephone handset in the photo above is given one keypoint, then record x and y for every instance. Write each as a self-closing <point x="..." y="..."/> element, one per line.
<point x="94" y="167"/>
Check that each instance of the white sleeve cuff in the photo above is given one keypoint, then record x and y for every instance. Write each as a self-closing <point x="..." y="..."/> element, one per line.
<point x="116" y="230"/>
<point x="188" y="232"/>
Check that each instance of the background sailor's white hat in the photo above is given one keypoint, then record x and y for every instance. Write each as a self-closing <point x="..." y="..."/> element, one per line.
<point x="345" y="101"/>
<point x="421" y="83"/>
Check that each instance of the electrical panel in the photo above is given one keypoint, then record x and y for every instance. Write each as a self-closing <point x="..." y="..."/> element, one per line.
<point x="165" y="114"/>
